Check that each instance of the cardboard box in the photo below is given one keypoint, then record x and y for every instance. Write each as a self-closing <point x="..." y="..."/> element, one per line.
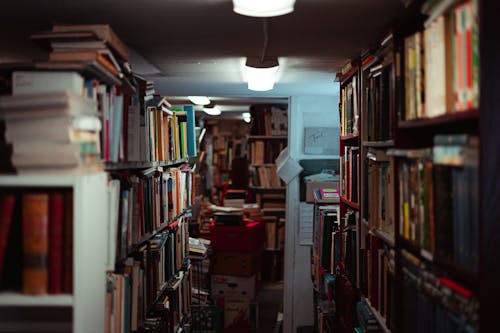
<point x="240" y="316"/>
<point x="310" y="186"/>
<point x="238" y="263"/>
<point x="230" y="286"/>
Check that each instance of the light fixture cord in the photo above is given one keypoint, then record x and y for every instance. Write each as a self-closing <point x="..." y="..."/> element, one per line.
<point x="266" y="39"/>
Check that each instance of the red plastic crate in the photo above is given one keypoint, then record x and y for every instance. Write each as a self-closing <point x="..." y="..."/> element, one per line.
<point x="248" y="237"/>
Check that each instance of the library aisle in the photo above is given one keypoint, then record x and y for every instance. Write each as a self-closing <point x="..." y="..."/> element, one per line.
<point x="125" y="210"/>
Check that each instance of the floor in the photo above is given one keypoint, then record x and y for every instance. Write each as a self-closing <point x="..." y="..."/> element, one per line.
<point x="270" y="299"/>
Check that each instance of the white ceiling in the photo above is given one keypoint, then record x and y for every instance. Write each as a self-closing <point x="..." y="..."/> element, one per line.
<point x="197" y="47"/>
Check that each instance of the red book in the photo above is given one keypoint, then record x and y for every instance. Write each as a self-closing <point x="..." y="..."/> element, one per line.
<point x="56" y="217"/>
<point x="67" y="256"/>
<point x="35" y="216"/>
<point x="7" y="202"/>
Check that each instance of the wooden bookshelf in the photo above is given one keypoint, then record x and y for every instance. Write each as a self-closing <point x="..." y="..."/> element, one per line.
<point x="448" y="119"/>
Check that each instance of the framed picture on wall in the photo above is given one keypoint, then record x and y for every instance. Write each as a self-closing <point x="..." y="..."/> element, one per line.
<point x="321" y="140"/>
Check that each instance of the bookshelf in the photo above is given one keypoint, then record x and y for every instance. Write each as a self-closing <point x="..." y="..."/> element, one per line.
<point x="266" y="139"/>
<point x="80" y="300"/>
<point x="420" y="140"/>
<point x="124" y="234"/>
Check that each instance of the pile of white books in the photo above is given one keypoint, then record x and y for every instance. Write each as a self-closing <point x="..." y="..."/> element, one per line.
<point x="51" y="122"/>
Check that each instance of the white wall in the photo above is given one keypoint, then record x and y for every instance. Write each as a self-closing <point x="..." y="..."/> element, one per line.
<point x="304" y="111"/>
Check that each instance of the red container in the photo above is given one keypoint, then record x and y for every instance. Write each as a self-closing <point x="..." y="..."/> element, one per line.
<point x="248" y="237"/>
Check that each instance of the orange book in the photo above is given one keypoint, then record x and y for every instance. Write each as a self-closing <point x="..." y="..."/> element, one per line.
<point x="102" y="57"/>
<point x="35" y="216"/>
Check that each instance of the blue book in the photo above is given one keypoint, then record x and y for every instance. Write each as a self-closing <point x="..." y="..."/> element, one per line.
<point x="191" y="134"/>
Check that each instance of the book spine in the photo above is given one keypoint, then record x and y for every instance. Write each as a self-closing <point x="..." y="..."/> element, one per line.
<point x="35" y="242"/>
<point x="7" y="202"/>
<point x="56" y="201"/>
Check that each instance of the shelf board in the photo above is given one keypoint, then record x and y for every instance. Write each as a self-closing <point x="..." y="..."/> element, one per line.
<point x="142" y="164"/>
<point x="260" y="188"/>
<point x="446" y="119"/>
<point x="351" y="204"/>
<point x="386" y="143"/>
<point x="269" y="210"/>
<point x="44" y="179"/>
<point x="261" y="164"/>
<point x="349" y="137"/>
<point x="378" y="316"/>
<point x="267" y="137"/>
<point x="147" y="236"/>
<point x="342" y="78"/>
<point x="273" y="250"/>
<point x="16" y="299"/>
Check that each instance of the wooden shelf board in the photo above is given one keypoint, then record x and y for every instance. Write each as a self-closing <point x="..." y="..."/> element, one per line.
<point x="448" y="118"/>
<point x="386" y="143"/>
<point x="384" y="236"/>
<point x="349" y="137"/>
<point x="378" y="316"/>
<point x="260" y="188"/>
<point x="142" y="164"/>
<point x="351" y="204"/>
<point x="16" y="299"/>
<point x="267" y="137"/>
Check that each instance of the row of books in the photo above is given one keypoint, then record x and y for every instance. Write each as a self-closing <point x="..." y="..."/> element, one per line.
<point x="441" y="64"/>
<point x="377" y="98"/>
<point x="132" y="304"/>
<point x="349" y="169"/>
<point x="269" y="120"/>
<point x="265" y="151"/>
<point x="379" y="209"/>
<point x="275" y="232"/>
<point x="265" y="176"/>
<point x="54" y="130"/>
<point x="349" y="113"/>
<point x="325" y="252"/>
<point x="435" y="303"/>
<point x="377" y="276"/>
<point x="36" y="241"/>
<point x="143" y="203"/>
<point x="438" y="198"/>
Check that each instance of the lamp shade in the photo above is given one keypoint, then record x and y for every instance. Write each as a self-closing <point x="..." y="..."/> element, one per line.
<point x="199" y="100"/>
<point x="213" y="111"/>
<point x="261" y="76"/>
<point x="263" y="8"/>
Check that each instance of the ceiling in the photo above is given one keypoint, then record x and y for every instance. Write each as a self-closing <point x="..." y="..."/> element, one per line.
<point x="197" y="47"/>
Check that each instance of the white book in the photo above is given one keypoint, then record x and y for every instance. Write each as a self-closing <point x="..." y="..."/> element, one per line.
<point x="59" y="128"/>
<point x="29" y="82"/>
<point x="42" y="105"/>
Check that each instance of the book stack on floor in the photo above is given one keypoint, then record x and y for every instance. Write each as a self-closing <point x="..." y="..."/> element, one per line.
<point x="51" y="123"/>
<point x="236" y="268"/>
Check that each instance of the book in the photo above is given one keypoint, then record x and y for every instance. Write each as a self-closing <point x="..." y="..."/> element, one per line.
<point x="67" y="264"/>
<point x="103" y="57"/>
<point x="29" y="82"/>
<point x="35" y="216"/>
<point x="42" y="105"/>
<point x="103" y="31"/>
<point x="191" y="136"/>
<point x="56" y="220"/>
<point x="327" y="193"/>
<point x="7" y="202"/>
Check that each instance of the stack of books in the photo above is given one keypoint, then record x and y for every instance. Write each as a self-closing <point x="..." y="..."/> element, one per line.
<point x="50" y="123"/>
